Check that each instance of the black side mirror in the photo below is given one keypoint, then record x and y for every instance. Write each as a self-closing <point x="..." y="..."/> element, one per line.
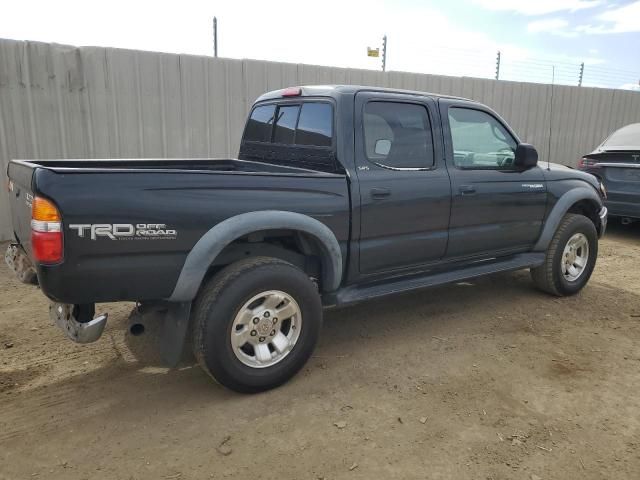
<point x="526" y="156"/>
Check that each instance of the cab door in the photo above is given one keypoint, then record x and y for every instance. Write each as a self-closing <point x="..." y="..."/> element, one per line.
<point x="405" y="194"/>
<point x="496" y="208"/>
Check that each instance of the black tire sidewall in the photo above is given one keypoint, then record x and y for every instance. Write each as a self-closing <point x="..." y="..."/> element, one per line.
<point x="218" y="354"/>
<point x="578" y="224"/>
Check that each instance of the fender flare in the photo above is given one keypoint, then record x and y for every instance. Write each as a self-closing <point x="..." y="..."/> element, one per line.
<point x="217" y="238"/>
<point x="559" y="210"/>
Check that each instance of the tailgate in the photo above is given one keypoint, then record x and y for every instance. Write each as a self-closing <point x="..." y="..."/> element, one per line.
<point x="20" y="199"/>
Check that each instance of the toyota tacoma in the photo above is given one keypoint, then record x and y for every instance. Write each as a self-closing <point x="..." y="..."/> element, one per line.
<point x="339" y="194"/>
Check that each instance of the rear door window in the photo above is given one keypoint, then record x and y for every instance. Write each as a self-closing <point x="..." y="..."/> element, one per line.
<point x="398" y="135"/>
<point x="259" y="125"/>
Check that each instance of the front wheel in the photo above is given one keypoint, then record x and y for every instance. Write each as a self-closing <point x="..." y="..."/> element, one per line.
<point x="256" y="323"/>
<point x="570" y="258"/>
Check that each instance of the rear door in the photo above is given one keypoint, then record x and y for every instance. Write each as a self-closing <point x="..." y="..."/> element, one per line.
<point x="404" y="186"/>
<point x="496" y="209"/>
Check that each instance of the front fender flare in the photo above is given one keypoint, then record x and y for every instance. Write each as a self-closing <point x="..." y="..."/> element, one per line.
<point x="217" y="238"/>
<point x="560" y="209"/>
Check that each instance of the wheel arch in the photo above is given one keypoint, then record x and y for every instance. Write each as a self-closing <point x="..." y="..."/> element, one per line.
<point x="583" y="200"/>
<point x="213" y="242"/>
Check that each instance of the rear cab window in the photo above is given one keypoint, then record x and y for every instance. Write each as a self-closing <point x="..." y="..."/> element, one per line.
<point x="258" y="127"/>
<point x="299" y="134"/>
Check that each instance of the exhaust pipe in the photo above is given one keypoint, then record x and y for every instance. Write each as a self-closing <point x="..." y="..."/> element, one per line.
<point x="136" y="329"/>
<point x="626" y="221"/>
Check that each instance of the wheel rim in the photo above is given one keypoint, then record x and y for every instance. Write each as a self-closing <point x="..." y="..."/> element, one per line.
<point x="575" y="257"/>
<point x="266" y="328"/>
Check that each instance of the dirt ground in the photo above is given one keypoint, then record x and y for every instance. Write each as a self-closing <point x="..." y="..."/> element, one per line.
<point x="487" y="380"/>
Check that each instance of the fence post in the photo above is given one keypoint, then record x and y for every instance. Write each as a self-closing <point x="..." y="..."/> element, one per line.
<point x="498" y="66"/>
<point x="384" y="53"/>
<point x="581" y="74"/>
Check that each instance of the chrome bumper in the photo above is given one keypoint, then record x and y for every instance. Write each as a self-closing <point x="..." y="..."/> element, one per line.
<point x="64" y="316"/>
<point x="603" y="220"/>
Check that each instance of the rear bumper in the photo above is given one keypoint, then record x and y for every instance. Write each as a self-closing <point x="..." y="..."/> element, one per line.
<point x="76" y="321"/>
<point x="66" y="317"/>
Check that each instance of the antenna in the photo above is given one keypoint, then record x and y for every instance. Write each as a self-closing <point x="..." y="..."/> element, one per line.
<point x="215" y="37"/>
<point x="553" y="80"/>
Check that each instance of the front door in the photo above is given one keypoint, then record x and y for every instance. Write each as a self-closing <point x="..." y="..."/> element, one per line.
<point x="496" y="208"/>
<point x="405" y="192"/>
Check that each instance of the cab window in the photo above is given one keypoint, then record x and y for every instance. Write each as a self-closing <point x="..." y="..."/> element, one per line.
<point x="308" y="124"/>
<point x="480" y="141"/>
<point x="258" y="127"/>
<point x="398" y="135"/>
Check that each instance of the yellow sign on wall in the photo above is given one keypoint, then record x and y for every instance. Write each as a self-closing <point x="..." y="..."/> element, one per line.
<point x="373" y="52"/>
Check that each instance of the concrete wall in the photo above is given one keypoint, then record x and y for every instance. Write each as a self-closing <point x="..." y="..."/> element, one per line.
<point x="60" y="101"/>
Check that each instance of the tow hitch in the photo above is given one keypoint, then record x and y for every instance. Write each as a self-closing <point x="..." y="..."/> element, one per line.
<point x="77" y="321"/>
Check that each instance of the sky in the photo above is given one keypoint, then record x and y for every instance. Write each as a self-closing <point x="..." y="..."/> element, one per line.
<point x="538" y="39"/>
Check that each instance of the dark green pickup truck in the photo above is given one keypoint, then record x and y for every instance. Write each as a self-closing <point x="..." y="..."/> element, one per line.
<point x="340" y="194"/>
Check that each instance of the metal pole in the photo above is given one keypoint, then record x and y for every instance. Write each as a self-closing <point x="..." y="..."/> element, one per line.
<point x="384" y="53"/>
<point x="581" y="74"/>
<point x="215" y="37"/>
<point x="498" y="66"/>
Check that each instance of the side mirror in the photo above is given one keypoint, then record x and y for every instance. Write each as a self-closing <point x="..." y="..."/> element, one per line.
<point x="526" y="156"/>
<point x="382" y="147"/>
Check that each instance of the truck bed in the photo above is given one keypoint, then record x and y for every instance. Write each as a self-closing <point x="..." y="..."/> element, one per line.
<point x="187" y="197"/>
<point x="228" y="165"/>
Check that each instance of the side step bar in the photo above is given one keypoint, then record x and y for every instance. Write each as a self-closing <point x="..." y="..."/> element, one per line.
<point x="358" y="293"/>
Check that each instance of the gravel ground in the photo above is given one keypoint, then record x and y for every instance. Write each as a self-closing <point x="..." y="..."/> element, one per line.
<point x="483" y="380"/>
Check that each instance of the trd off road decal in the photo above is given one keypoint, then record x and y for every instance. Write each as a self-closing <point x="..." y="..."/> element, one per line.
<point x="125" y="231"/>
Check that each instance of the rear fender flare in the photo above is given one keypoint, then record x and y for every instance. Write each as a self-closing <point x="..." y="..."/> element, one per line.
<point x="217" y="238"/>
<point x="560" y="209"/>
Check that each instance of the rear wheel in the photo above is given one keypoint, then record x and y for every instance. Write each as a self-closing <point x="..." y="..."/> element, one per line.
<point x="570" y="258"/>
<point x="256" y="323"/>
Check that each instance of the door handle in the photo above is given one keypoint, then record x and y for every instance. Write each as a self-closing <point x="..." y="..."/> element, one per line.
<point x="380" y="193"/>
<point x="467" y="189"/>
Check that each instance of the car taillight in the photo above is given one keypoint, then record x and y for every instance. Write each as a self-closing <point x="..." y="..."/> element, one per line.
<point x="585" y="162"/>
<point x="46" y="231"/>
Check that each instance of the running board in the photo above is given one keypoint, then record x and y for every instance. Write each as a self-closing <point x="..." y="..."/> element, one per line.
<point x="359" y="293"/>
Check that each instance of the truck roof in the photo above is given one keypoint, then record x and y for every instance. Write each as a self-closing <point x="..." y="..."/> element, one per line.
<point x="336" y="90"/>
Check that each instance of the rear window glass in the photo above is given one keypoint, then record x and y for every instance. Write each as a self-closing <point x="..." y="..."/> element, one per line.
<point x="286" y="124"/>
<point x="315" y="126"/>
<point x="628" y="136"/>
<point x="309" y="124"/>
<point x="259" y="125"/>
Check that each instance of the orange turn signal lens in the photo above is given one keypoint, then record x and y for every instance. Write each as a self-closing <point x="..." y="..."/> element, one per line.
<point x="43" y="210"/>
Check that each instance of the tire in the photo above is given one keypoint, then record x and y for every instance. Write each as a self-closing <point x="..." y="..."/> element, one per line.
<point x="217" y="314"/>
<point x="549" y="277"/>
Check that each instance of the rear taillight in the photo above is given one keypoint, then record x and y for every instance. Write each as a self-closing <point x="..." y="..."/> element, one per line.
<point x="46" y="231"/>
<point x="585" y="162"/>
